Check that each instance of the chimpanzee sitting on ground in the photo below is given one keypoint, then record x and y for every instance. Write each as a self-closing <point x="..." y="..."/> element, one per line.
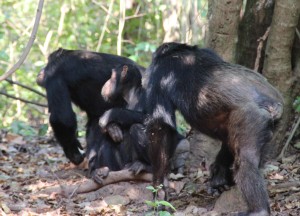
<point x="78" y="76"/>
<point x="223" y="100"/>
<point x="132" y="118"/>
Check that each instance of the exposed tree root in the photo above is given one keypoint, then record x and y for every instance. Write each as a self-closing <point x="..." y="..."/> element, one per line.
<point x="88" y="185"/>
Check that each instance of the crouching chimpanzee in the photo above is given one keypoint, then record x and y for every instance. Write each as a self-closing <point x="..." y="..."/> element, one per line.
<point x="78" y="76"/>
<point x="126" y="83"/>
<point x="223" y="100"/>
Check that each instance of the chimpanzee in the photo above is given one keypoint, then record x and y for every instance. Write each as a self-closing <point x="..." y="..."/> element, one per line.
<point x="223" y="100"/>
<point x="126" y="82"/>
<point x="78" y="76"/>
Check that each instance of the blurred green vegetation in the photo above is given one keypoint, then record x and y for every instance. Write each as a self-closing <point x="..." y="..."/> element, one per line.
<point x="71" y="24"/>
<point x="297" y="104"/>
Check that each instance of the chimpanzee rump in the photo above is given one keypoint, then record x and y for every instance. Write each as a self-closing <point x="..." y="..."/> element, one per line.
<point x="78" y="76"/>
<point x="223" y="100"/>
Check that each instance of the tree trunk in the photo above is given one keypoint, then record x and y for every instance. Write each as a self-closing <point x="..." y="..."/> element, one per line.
<point x="278" y="62"/>
<point x="296" y="60"/>
<point x="182" y="22"/>
<point x="254" y="24"/>
<point x="171" y="21"/>
<point x="224" y="16"/>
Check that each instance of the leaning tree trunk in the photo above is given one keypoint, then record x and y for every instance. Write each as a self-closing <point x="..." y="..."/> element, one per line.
<point x="223" y="16"/>
<point x="296" y="61"/>
<point x="253" y="27"/>
<point x="278" y="63"/>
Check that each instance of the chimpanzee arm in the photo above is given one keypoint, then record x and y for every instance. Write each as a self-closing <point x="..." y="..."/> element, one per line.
<point x="63" y="119"/>
<point x="123" y="117"/>
<point x="161" y="133"/>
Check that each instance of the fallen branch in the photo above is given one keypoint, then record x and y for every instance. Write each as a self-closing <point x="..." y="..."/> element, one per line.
<point x="89" y="185"/>
<point x="284" y="187"/>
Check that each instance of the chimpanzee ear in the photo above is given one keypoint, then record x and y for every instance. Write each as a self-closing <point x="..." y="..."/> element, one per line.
<point x="124" y="71"/>
<point x="165" y="48"/>
<point x="59" y="52"/>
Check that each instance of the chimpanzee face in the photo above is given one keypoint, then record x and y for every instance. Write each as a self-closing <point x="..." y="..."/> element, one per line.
<point x="122" y="80"/>
<point x="114" y="87"/>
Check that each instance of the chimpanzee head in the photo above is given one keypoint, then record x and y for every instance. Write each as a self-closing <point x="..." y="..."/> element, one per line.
<point x="171" y="48"/>
<point x="123" y="79"/>
<point x="54" y="59"/>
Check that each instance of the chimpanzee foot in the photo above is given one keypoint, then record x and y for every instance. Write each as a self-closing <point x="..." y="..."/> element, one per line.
<point x="221" y="177"/>
<point x="137" y="167"/>
<point x="99" y="174"/>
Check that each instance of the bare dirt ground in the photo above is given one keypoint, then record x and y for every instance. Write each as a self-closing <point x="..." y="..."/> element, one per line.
<point x="33" y="174"/>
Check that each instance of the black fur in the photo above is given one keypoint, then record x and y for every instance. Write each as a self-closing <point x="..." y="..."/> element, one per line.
<point x="78" y="76"/>
<point x="223" y="100"/>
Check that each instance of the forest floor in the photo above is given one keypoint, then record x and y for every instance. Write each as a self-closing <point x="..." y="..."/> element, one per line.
<point x="28" y="169"/>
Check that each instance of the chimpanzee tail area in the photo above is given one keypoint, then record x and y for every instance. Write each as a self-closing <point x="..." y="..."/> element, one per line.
<point x="78" y="76"/>
<point x="225" y="101"/>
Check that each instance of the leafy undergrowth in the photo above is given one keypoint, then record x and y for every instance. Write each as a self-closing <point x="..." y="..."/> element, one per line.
<point x="27" y="168"/>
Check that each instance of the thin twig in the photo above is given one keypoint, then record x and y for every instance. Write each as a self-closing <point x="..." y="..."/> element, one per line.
<point x="259" y="48"/>
<point x="105" y="25"/>
<point x="21" y="99"/>
<point x="25" y="87"/>
<point x="298" y="33"/>
<point x="100" y="5"/>
<point x="134" y="16"/>
<point x="121" y="27"/>
<point x="289" y="139"/>
<point x="29" y="44"/>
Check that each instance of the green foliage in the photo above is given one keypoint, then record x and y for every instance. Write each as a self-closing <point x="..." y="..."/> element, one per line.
<point x="297" y="104"/>
<point x="182" y="126"/>
<point x="21" y="128"/>
<point x="24" y="129"/>
<point x="71" y="24"/>
<point x="155" y="204"/>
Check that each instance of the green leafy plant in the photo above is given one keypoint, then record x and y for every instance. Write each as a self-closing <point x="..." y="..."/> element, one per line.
<point x="297" y="104"/>
<point x="22" y="128"/>
<point x="42" y="130"/>
<point x="155" y="204"/>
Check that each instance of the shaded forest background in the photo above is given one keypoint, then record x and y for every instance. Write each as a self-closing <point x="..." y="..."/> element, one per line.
<point x="260" y="34"/>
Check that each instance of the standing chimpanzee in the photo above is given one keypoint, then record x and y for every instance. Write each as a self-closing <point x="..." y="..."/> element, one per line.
<point x="223" y="100"/>
<point x="78" y="76"/>
<point x="126" y="83"/>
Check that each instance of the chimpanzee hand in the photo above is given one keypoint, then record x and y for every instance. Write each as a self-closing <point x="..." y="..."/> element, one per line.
<point x="74" y="154"/>
<point x="115" y="132"/>
<point x="99" y="174"/>
<point x="137" y="167"/>
<point x="105" y="119"/>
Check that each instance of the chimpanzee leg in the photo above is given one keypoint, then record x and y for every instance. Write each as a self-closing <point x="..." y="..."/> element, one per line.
<point x="139" y="144"/>
<point x="220" y="172"/>
<point x="162" y="143"/>
<point x="63" y="119"/>
<point x="249" y="132"/>
<point x="101" y="151"/>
